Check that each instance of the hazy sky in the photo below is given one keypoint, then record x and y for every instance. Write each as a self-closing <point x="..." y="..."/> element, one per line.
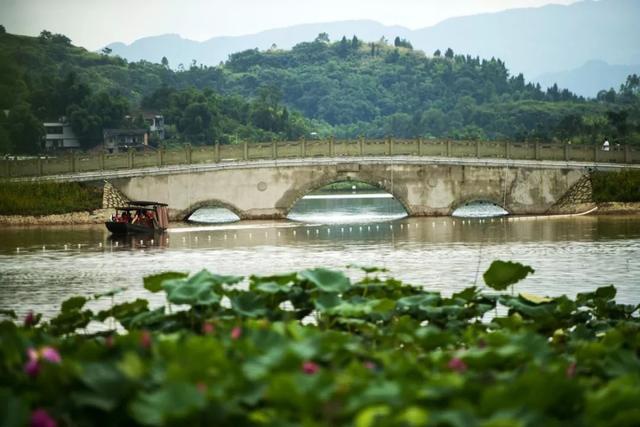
<point x="95" y="23"/>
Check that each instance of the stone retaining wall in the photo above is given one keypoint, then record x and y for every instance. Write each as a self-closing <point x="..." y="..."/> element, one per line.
<point x="73" y="218"/>
<point x="112" y="197"/>
<point x="578" y="199"/>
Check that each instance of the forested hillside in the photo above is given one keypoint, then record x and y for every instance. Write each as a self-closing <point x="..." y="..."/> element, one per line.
<point x="388" y="89"/>
<point x="348" y="88"/>
<point x="44" y="78"/>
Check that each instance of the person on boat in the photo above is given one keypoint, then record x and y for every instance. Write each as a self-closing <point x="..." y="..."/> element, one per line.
<point x="150" y="219"/>
<point x="138" y="217"/>
<point x="126" y="217"/>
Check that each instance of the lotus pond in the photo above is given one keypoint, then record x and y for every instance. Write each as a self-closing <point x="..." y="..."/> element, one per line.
<point x="315" y="348"/>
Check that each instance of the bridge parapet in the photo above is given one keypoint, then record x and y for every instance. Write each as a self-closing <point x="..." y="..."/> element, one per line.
<point x="91" y="162"/>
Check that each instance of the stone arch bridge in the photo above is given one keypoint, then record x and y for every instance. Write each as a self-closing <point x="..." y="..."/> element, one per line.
<point x="268" y="189"/>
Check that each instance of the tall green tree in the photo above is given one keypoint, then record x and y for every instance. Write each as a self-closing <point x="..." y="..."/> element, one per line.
<point x="25" y="130"/>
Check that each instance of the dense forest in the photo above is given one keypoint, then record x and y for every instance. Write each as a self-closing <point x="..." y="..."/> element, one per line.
<point x="44" y="78"/>
<point x="347" y="88"/>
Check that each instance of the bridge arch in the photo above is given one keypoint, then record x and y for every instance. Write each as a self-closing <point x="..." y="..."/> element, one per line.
<point x="184" y="214"/>
<point x="289" y="200"/>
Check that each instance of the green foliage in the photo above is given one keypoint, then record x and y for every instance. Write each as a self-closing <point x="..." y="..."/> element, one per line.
<point x="346" y="88"/>
<point x="622" y="186"/>
<point x="286" y="352"/>
<point x="46" y="198"/>
<point x="501" y="274"/>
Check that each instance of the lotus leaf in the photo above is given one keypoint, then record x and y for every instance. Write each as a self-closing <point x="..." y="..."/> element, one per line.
<point x="171" y="402"/>
<point x="249" y="305"/>
<point x="73" y="303"/>
<point x="501" y="274"/>
<point x="326" y="280"/>
<point x="154" y="282"/>
<point x="196" y="290"/>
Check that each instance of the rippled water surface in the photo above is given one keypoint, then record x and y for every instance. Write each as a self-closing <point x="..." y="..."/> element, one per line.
<point x="42" y="266"/>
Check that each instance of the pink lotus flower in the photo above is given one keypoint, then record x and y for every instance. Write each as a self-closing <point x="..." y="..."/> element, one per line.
<point x="457" y="364"/>
<point x="40" y="418"/>
<point x="50" y="354"/>
<point x="310" y="368"/>
<point x="370" y="365"/>
<point x="208" y="328"/>
<point x="145" y="339"/>
<point x="236" y="333"/>
<point x="32" y="368"/>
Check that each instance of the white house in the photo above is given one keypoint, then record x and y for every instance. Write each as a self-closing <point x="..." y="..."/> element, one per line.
<point x="156" y="125"/>
<point x="59" y="136"/>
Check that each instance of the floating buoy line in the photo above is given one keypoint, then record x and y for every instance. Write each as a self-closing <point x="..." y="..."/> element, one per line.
<point x="282" y="234"/>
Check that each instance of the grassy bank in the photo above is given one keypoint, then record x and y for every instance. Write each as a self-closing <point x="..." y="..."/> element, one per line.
<point x="623" y="186"/>
<point x="17" y="198"/>
<point x="314" y="348"/>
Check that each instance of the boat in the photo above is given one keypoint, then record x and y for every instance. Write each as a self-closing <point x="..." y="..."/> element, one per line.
<point x="139" y="217"/>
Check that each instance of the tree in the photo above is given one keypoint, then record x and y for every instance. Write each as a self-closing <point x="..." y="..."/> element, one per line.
<point x="165" y="62"/>
<point x="449" y="53"/>
<point x="2" y="29"/>
<point x="5" y="141"/>
<point x="569" y="126"/>
<point x="398" y="42"/>
<point x="437" y="53"/>
<point x="607" y="96"/>
<point x="25" y="130"/>
<point x="45" y="36"/>
<point x="106" y="51"/>
<point x="61" y="39"/>
<point x="95" y="113"/>
<point x="322" y="38"/>
<point x="343" y="47"/>
<point x="618" y="120"/>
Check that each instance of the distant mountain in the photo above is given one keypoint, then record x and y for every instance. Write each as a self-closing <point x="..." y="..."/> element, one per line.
<point x="591" y="78"/>
<point x="533" y="41"/>
<point x="546" y="39"/>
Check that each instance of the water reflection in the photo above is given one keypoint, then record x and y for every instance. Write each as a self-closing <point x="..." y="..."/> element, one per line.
<point x="347" y="207"/>
<point x="157" y="240"/>
<point x="213" y="215"/>
<point x="479" y="209"/>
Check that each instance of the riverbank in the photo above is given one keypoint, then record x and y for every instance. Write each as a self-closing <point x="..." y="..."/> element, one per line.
<point x="97" y="216"/>
<point x="618" y="208"/>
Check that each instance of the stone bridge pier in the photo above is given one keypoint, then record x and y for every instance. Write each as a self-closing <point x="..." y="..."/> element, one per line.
<point x="268" y="190"/>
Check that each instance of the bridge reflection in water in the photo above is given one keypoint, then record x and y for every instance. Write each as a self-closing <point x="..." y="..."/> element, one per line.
<point x="344" y="207"/>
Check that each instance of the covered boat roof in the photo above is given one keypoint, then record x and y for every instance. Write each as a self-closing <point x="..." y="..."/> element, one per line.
<point x="146" y="203"/>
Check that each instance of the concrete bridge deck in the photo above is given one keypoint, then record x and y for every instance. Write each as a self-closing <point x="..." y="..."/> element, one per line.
<point x="323" y="161"/>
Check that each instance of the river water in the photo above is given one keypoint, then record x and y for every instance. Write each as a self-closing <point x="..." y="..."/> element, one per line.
<point x="42" y="266"/>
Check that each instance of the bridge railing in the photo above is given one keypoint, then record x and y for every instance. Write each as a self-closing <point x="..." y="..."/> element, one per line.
<point x="88" y="162"/>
